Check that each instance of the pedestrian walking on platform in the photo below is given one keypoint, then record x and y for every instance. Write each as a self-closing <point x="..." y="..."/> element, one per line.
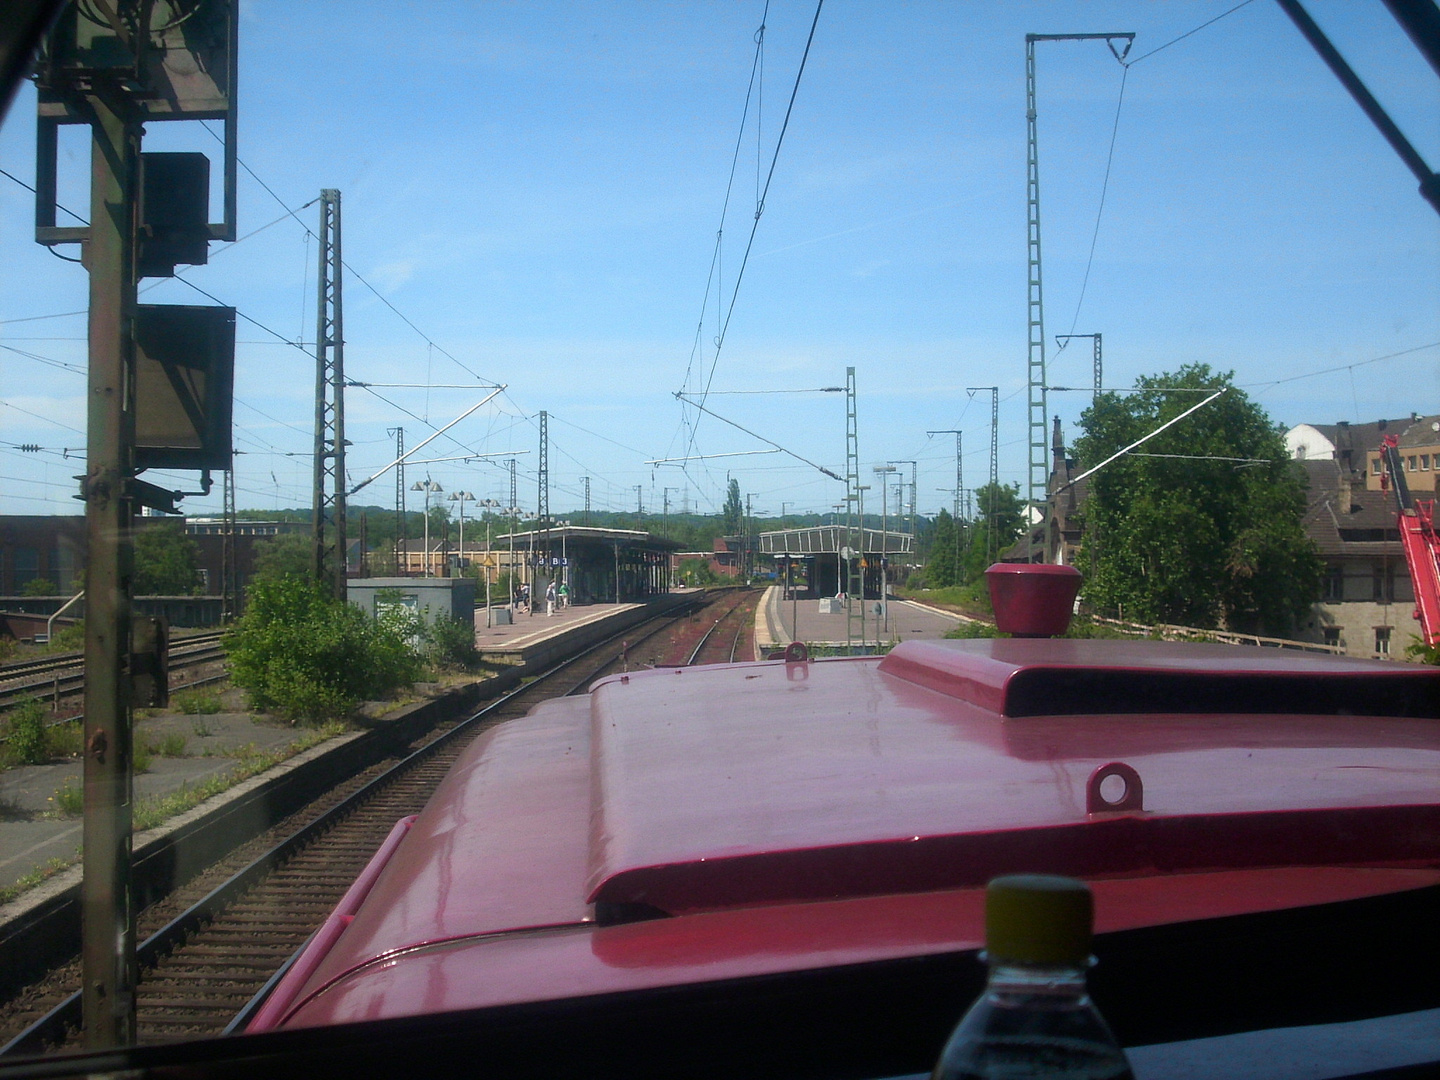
<point x="550" y="599"/>
<point x="564" y="596"/>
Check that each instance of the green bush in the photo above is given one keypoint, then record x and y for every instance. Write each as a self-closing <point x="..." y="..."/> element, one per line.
<point x="39" y="587"/>
<point x="27" y="742"/>
<point x="196" y="702"/>
<point x="8" y="647"/>
<point x="301" y="652"/>
<point x="69" y="638"/>
<point x="450" y="643"/>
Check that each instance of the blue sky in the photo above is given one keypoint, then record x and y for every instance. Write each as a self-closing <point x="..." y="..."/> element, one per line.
<point x="537" y="187"/>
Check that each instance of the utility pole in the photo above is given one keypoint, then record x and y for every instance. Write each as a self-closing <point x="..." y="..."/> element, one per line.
<point x="1098" y="366"/>
<point x="882" y="473"/>
<point x="1038" y="416"/>
<point x="749" y="531"/>
<point x="328" y="497"/>
<point x="114" y="75"/>
<point x="959" y="487"/>
<point x="513" y="510"/>
<point x="900" y="502"/>
<point x="853" y="552"/>
<point x="994" y="392"/>
<point x="108" y="949"/>
<point x="229" y="591"/>
<point x="640" y="506"/>
<point x="665" y="529"/>
<point x="402" y="547"/>
<point x="586" y="481"/>
<point x="543" y="501"/>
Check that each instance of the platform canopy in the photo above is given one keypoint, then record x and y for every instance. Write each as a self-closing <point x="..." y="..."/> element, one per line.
<point x="830" y="539"/>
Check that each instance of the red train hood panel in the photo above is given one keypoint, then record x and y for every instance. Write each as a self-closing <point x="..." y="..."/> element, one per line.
<point x="771" y="783"/>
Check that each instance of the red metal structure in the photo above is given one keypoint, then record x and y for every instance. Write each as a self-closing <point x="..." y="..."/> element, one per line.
<point x="1416" y="521"/>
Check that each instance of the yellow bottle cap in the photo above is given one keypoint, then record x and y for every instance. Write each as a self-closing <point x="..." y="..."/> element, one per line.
<point x="1038" y="919"/>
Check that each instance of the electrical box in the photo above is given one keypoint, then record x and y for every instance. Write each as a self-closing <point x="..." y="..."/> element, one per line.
<point x="174" y="213"/>
<point x="184" y="379"/>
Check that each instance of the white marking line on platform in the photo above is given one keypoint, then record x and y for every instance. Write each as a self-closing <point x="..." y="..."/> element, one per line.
<point x="43" y="843"/>
<point x="541" y="635"/>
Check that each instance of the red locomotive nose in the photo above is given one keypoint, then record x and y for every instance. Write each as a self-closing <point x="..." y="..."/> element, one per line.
<point x="1032" y="599"/>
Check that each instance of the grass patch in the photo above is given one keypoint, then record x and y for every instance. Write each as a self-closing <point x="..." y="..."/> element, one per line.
<point x="69" y="800"/>
<point x="197" y="702"/>
<point x="66" y="739"/>
<point x="172" y="745"/>
<point x="249" y="762"/>
<point x="141" y="756"/>
<point x="201" y="729"/>
<point x="35" y="877"/>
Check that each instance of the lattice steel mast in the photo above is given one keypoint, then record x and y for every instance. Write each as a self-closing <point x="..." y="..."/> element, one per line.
<point x="542" y="500"/>
<point x="402" y="547"/>
<point x="328" y="500"/>
<point x="1038" y="477"/>
<point x="994" y="392"/>
<point x="854" y="539"/>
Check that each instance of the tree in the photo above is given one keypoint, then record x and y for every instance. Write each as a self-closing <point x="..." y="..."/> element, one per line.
<point x="1195" y="539"/>
<point x="940" y="566"/>
<point x="288" y="555"/>
<point x="996" y="528"/>
<point x="734" y="510"/>
<point x="166" y="561"/>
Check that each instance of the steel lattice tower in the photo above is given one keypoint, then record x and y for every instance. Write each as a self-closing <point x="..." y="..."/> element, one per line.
<point x="402" y="547"/>
<point x="1038" y="415"/>
<point x="542" y="500"/>
<point x="228" y="591"/>
<point x="586" y="481"/>
<point x="1035" y="368"/>
<point x="328" y="500"/>
<point x="854" y="538"/>
<point x="994" y="392"/>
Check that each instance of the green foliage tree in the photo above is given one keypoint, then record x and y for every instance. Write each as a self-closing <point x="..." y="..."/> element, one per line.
<point x="39" y="587"/>
<point x="734" y="513"/>
<point x="1195" y="542"/>
<point x="301" y="652"/>
<point x="288" y="555"/>
<point x="1000" y="516"/>
<point x="166" y="561"/>
<point x="940" y="567"/>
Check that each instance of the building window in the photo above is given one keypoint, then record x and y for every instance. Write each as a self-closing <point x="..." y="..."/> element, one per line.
<point x="1424" y="462"/>
<point x="1334" y="583"/>
<point x="1384" y="585"/>
<point x="1410" y="463"/>
<point x="1332" y="635"/>
<point x="1382" y="640"/>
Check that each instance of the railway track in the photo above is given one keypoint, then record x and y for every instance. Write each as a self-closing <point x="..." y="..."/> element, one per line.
<point x="63" y="676"/>
<point x="204" y="968"/>
<point x="721" y="643"/>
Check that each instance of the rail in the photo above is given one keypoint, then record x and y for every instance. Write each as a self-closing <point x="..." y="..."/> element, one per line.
<point x="66" y="1015"/>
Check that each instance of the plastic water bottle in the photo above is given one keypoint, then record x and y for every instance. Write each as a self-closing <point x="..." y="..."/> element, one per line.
<point x="1035" y="1018"/>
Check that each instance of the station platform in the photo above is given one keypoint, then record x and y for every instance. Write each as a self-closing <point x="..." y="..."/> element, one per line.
<point x="535" y="639"/>
<point x="776" y="617"/>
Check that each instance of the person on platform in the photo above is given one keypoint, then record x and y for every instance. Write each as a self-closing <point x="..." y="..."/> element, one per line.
<point x="550" y="598"/>
<point x="564" y="596"/>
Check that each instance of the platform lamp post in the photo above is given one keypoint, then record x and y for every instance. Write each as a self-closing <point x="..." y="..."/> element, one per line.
<point x="882" y="472"/>
<point x="490" y="505"/>
<point x="461" y="497"/>
<point x="427" y="486"/>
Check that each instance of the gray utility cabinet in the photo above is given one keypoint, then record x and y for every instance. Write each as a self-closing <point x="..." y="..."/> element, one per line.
<point x="430" y="598"/>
